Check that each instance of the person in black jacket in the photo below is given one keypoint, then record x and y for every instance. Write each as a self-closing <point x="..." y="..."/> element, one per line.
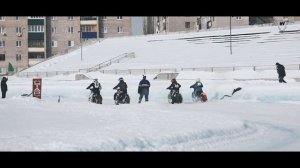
<point x="4" y="86"/>
<point x="122" y="86"/>
<point x="281" y="72"/>
<point x="174" y="87"/>
<point x="95" y="87"/>
<point x="143" y="89"/>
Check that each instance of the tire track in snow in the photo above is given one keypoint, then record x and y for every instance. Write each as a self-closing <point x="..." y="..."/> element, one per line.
<point x="250" y="136"/>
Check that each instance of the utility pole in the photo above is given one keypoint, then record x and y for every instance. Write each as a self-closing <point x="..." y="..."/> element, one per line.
<point x="80" y="44"/>
<point x="230" y="37"/>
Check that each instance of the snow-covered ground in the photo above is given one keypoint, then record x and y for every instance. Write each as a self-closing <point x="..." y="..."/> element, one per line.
<point x="263" y="116"/>
<point x="168" y="51"/>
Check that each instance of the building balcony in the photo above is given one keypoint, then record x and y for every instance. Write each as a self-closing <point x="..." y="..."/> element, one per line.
<point x="36" y="49"/>
<point x="86" y="35"/>
<point x="88" y="22"/>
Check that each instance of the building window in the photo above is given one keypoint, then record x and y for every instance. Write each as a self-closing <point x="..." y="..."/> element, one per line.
<point x="36" y="28"/>
<point x="36" y="55"/>
<point x="53" y="18"/>
<point x="70" y="17"/>
<point x="86" y="28"/>
<point x="19" y="30"/>
<point x="70" y="29"/>
<point x="53" y="30"/>
<point x="187" y="25"/>
<point x="120" y="29"/>
<point x="36" y="17"/>
<point x="36" y="43"/>
<point x="54" y="43"/>
<point x="104" y="30"/>
<point x="2" y="30"/>
<point x="119" y="17"/>
<point x="71" y="43"/>
<point x="19" y="43"/>
<point x="2" y="43"/>
<point x="2" y="18"/>
<point x="103" y="18"/>
<point x="18" y="57"/>
<point x="2" y="57"/>
<point x="17" y="17"/>
<point x="238" y="18"/>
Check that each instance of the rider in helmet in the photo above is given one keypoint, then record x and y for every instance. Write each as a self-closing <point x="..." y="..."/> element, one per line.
<point x="122" y="87"/>
<point x="197" y="87"/>
<point x="174" y="87"/>
<point x="95" y="87"/>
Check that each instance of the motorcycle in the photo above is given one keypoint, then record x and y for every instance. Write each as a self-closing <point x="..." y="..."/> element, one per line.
<point x="174" y="97"/>
<point x="201" y="97"/>
<point x="95" y="98"/>
<point x="121" y="98"/>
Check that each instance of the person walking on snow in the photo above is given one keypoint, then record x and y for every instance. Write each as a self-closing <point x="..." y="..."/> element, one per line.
<point x="4" y="86"/>
<point x="281" y="72"/>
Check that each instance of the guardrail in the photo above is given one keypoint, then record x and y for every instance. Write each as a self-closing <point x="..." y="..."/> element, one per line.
<point x="159" y="70"/>
<point x="116" y="59"/>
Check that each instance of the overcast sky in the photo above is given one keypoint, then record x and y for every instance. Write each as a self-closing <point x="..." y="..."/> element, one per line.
<point x="137" y="25"/>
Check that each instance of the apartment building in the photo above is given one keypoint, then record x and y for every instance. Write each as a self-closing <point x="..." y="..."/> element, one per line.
<point x="27" y="40"/>
<point x="164" y="24"/>
<point x="13" y="42"/>
<point x="115" y="26"/>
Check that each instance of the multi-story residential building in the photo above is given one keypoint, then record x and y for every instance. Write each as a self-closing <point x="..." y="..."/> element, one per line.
<point x="64" y="34"/>
<point x="25" y="41"/>
<point x="13" y="42"/>
<point x="115" y="26"/>
<point x="164" y="24"/>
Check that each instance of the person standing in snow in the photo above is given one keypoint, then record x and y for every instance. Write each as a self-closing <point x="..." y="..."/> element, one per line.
<point x="4" y="86"/>
<point x="143" y="89"/>
<point x="281" y="72"/>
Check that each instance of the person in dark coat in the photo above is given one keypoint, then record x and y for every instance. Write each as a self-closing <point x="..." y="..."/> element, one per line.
<point x="143" y="89"/>
<point x="197" y="87"/>
<point x="122" y="86"/>
<point x="95" y="87"/>
<point x="281" y="72"/>
<point x="174" y="87"/>
<point x="4" y="87"/>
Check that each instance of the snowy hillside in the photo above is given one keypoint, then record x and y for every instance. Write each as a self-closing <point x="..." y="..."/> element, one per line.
<point x="251" y="46"/>
<point x="263" y="116"/>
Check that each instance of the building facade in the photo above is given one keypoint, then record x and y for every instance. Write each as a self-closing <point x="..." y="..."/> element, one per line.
<point x="165" y="24"/>
<point x="27" y="40"/>
<point x="13" y="42"/>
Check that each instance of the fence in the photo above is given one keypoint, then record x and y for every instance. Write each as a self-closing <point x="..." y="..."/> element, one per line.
<point x="158" y="70"/>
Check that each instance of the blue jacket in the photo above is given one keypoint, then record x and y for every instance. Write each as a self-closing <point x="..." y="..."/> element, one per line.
<point x="144" y="84"/>
<point x="122" y="86"/>
<point x="197" y="87"/>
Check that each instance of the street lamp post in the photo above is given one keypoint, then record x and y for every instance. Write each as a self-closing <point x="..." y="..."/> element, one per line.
<point x="230" y="37"/>
<point x="80" y="44"/>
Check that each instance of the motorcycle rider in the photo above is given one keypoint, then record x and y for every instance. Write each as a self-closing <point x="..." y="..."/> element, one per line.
<point x="95" y="87"/>
<point x="122" y="87"/>
<point x="174" y="87"/>
<point x="197" y="87"/>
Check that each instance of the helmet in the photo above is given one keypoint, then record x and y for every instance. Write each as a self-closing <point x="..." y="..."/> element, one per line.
<point x="277" y="63"/>
<point x="198" y="80"/>
<point x="121" y="79"/>
<point x="95" y="80"/>
<point x="144" y="77"/>
<point x="173" y="80"/>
